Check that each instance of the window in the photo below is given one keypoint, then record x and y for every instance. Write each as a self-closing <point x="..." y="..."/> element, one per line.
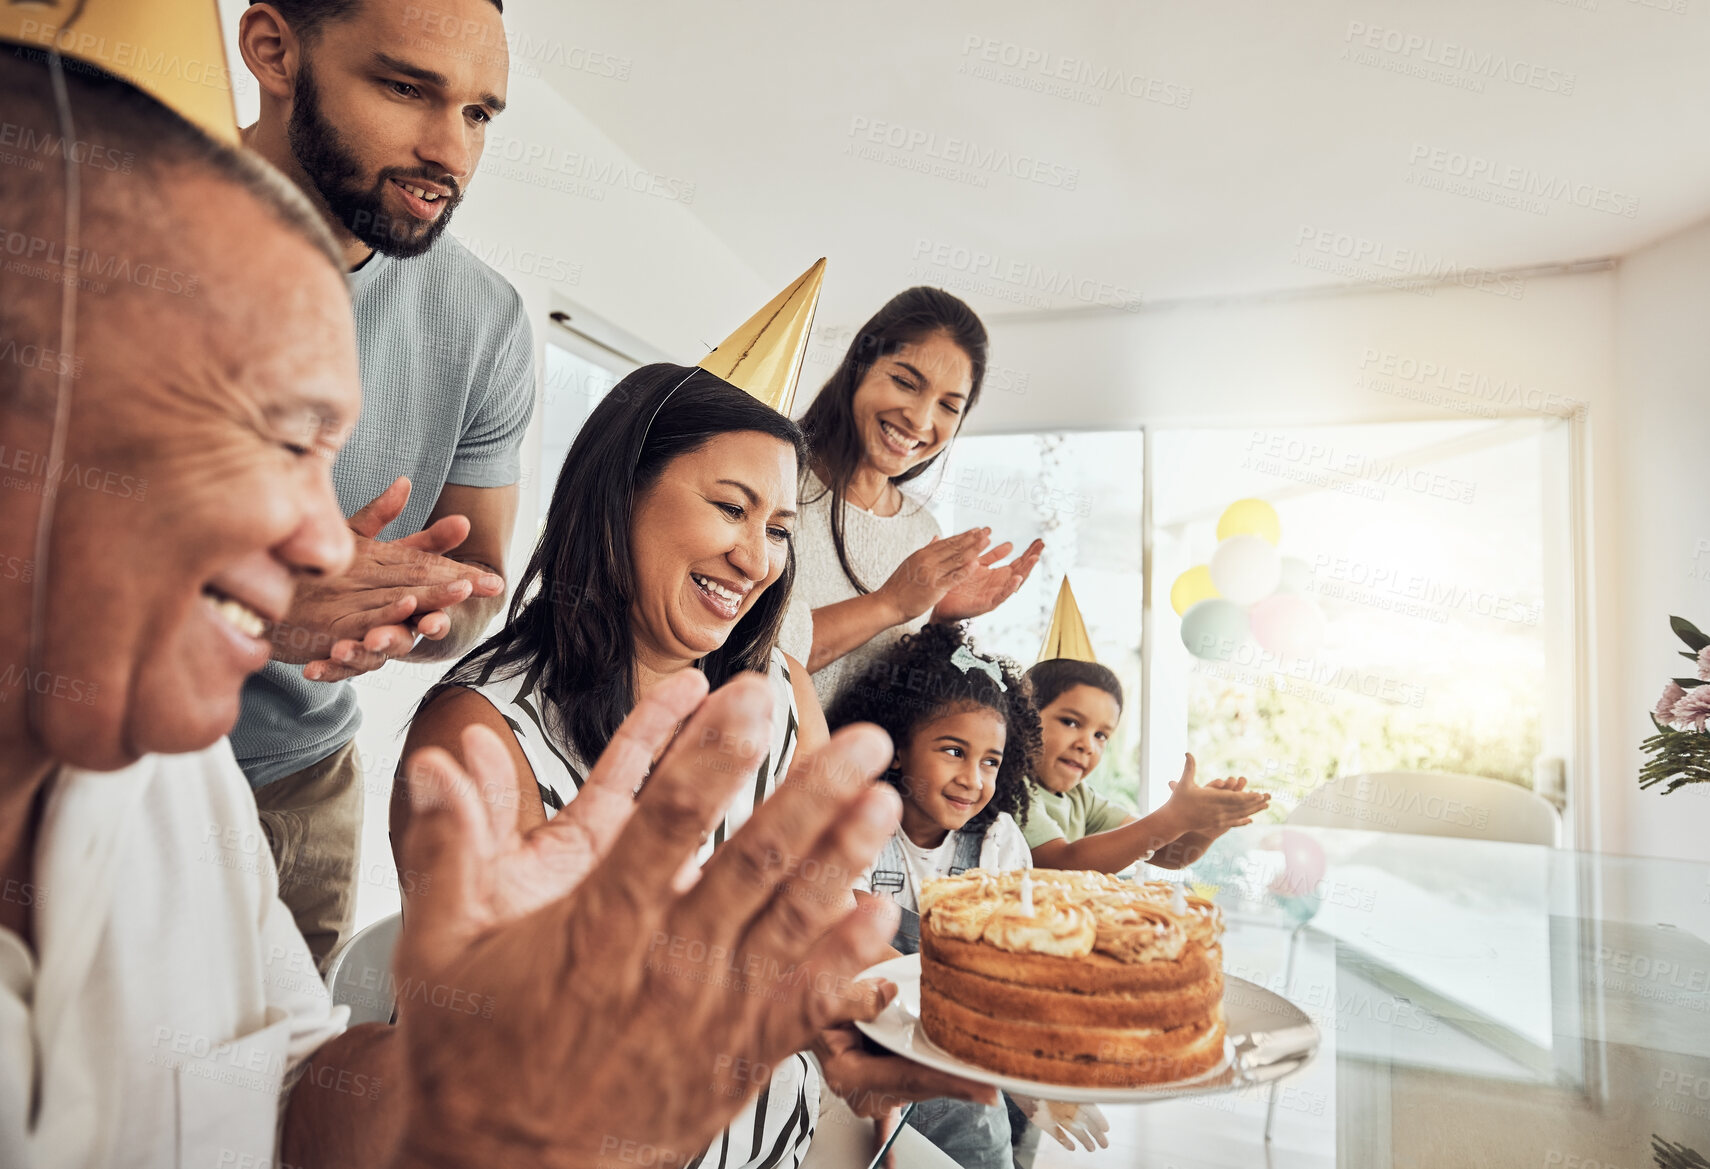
<point x="1439" y="556"/>
<point x="574" y="386"/>
<point x="1081" y="494"/>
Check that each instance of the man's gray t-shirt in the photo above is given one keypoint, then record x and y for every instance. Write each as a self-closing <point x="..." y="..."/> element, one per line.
<point x="447" y="365"/>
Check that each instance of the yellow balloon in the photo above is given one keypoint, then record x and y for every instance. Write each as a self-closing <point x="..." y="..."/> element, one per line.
<point x="1192" y="587"/>
<point x="1252" y="517"/>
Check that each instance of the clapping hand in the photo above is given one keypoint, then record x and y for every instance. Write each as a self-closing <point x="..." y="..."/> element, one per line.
<point x="986" y="584"/>
<point x="1196" y="815"/>
<point x="393" y="590"/>
<point x="1213" y="808"/>
<point x="614" y="1007"/>
<point x="931" y="571"/>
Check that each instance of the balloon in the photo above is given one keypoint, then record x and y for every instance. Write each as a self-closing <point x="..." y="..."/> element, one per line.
<point x="1303" y="860"/>
<point x="1250" y="517"/>
<point x="1296" y="575"/>
<point x="1287" y="624"/>
<point x="1245" y="568"/>
<point x="1213" y="628"/>
<point x="1298" y="887"/>
<point x="1191" y="587"/>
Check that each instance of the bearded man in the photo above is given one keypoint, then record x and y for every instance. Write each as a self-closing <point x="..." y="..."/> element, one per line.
<point x="377" y="110"/>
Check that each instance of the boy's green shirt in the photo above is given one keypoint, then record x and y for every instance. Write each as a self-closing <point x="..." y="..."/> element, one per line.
<point x="1080" y="812"/>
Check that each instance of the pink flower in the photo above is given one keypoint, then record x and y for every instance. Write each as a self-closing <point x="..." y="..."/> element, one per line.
<point x="1694" y="709"/>
<point x="1664" y="709"/>
<point x="1704" y="663"/>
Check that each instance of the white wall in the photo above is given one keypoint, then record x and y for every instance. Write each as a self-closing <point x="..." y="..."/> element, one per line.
<point x="1655" y="556"/>
<point x="1298" y="360"/>
<point x="1625" y="343"/>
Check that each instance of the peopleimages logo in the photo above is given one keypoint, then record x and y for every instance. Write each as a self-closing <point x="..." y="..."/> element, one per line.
<point x="36" y="471"/>
<point x="1397" y="799"/>
<point x="1525" y="183"/>
<point x="1322" y="682"/>
<point x="32" y="356"/>
<point x="46" y="259"/>
<point x="529" y="54"/>
<point x="1326" y="248"/>
<point x="989" y="490"/>
<point x="1494" y="393"/>
<point x="118" y="56"/>
<point x="928" y="147"/>
<point x="46" y="684"/>
<point x="1415" y="54"/>
<point x="1413" y="594"/>
<point x="978" y="264"/>
<point x="1062" y="75"/>
<point x="1265" y="450"/>
<point x="539" y="160"/>
<point x="51" y="145"/>
<point x="524" y="261"/>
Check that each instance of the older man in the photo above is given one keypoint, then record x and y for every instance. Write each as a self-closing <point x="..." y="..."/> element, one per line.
<point x="167" y="491"/>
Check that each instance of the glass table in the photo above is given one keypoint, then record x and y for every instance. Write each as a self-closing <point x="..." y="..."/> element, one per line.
<point x="1481" y="1004"/>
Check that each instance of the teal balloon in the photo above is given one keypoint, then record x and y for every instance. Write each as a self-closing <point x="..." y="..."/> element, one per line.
<point x="1213" y="628"/>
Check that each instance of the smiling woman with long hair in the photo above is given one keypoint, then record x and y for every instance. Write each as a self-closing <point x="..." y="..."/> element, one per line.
<point x="873" y="567"/>
<point x="667" y="547"/>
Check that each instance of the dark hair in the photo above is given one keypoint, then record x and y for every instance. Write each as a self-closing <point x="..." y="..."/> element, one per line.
<point x="569" y="621"/>
<point x="915" y="683"/>
<point x="1051" y="677"/>
<point x="307" y="16"/>
<point x="830" y="422"/>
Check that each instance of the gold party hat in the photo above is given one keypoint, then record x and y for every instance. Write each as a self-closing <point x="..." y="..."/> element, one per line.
<point x="764" y="357"/>
<point x="1067" y="637"/>
<point x="172" y="50"/>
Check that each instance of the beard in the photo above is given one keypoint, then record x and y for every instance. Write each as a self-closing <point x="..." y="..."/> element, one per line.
<point x="357" y="204"/>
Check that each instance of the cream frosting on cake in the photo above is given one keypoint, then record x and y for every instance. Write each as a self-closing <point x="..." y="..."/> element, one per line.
<point x="1072" y="977"/>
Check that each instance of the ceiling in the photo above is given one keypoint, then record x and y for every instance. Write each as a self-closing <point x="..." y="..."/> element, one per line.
<point x="1093" y="154"/>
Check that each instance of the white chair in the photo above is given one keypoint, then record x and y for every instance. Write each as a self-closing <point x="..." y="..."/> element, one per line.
<point x="1431" y="803"/>
<point x="360" y="973"/>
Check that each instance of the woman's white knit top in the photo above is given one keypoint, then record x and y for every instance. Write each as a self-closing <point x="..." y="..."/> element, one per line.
<point x="876" y="546"/>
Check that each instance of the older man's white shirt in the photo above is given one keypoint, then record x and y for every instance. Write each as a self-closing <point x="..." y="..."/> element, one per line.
<point x="171" y="997"/>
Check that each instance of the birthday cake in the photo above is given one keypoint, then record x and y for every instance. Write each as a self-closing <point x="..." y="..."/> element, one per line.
<point x="1072" y="978"/>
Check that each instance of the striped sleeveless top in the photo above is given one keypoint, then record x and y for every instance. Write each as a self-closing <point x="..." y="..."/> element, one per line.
<point x="774" y="1130"/>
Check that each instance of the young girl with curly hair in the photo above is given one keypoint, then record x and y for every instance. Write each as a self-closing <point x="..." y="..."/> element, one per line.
<point x="965" y="736"/>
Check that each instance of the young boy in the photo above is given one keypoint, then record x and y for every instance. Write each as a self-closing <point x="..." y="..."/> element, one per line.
<point x="1069" y="826"/>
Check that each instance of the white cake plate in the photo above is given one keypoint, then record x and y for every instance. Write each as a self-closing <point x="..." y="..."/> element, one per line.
<point x="1268" y="1038"/>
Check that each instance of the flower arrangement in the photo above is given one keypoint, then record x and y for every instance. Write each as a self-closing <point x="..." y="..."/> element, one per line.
<point x="1680" y="750"/>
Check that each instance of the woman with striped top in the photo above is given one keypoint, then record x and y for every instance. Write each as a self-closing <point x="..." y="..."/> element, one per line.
<point x="667" y="547"/>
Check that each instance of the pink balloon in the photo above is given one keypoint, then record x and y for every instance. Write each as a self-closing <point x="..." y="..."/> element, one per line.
<point x="1287" y="624"/>
<point x="1303" y="862"/>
